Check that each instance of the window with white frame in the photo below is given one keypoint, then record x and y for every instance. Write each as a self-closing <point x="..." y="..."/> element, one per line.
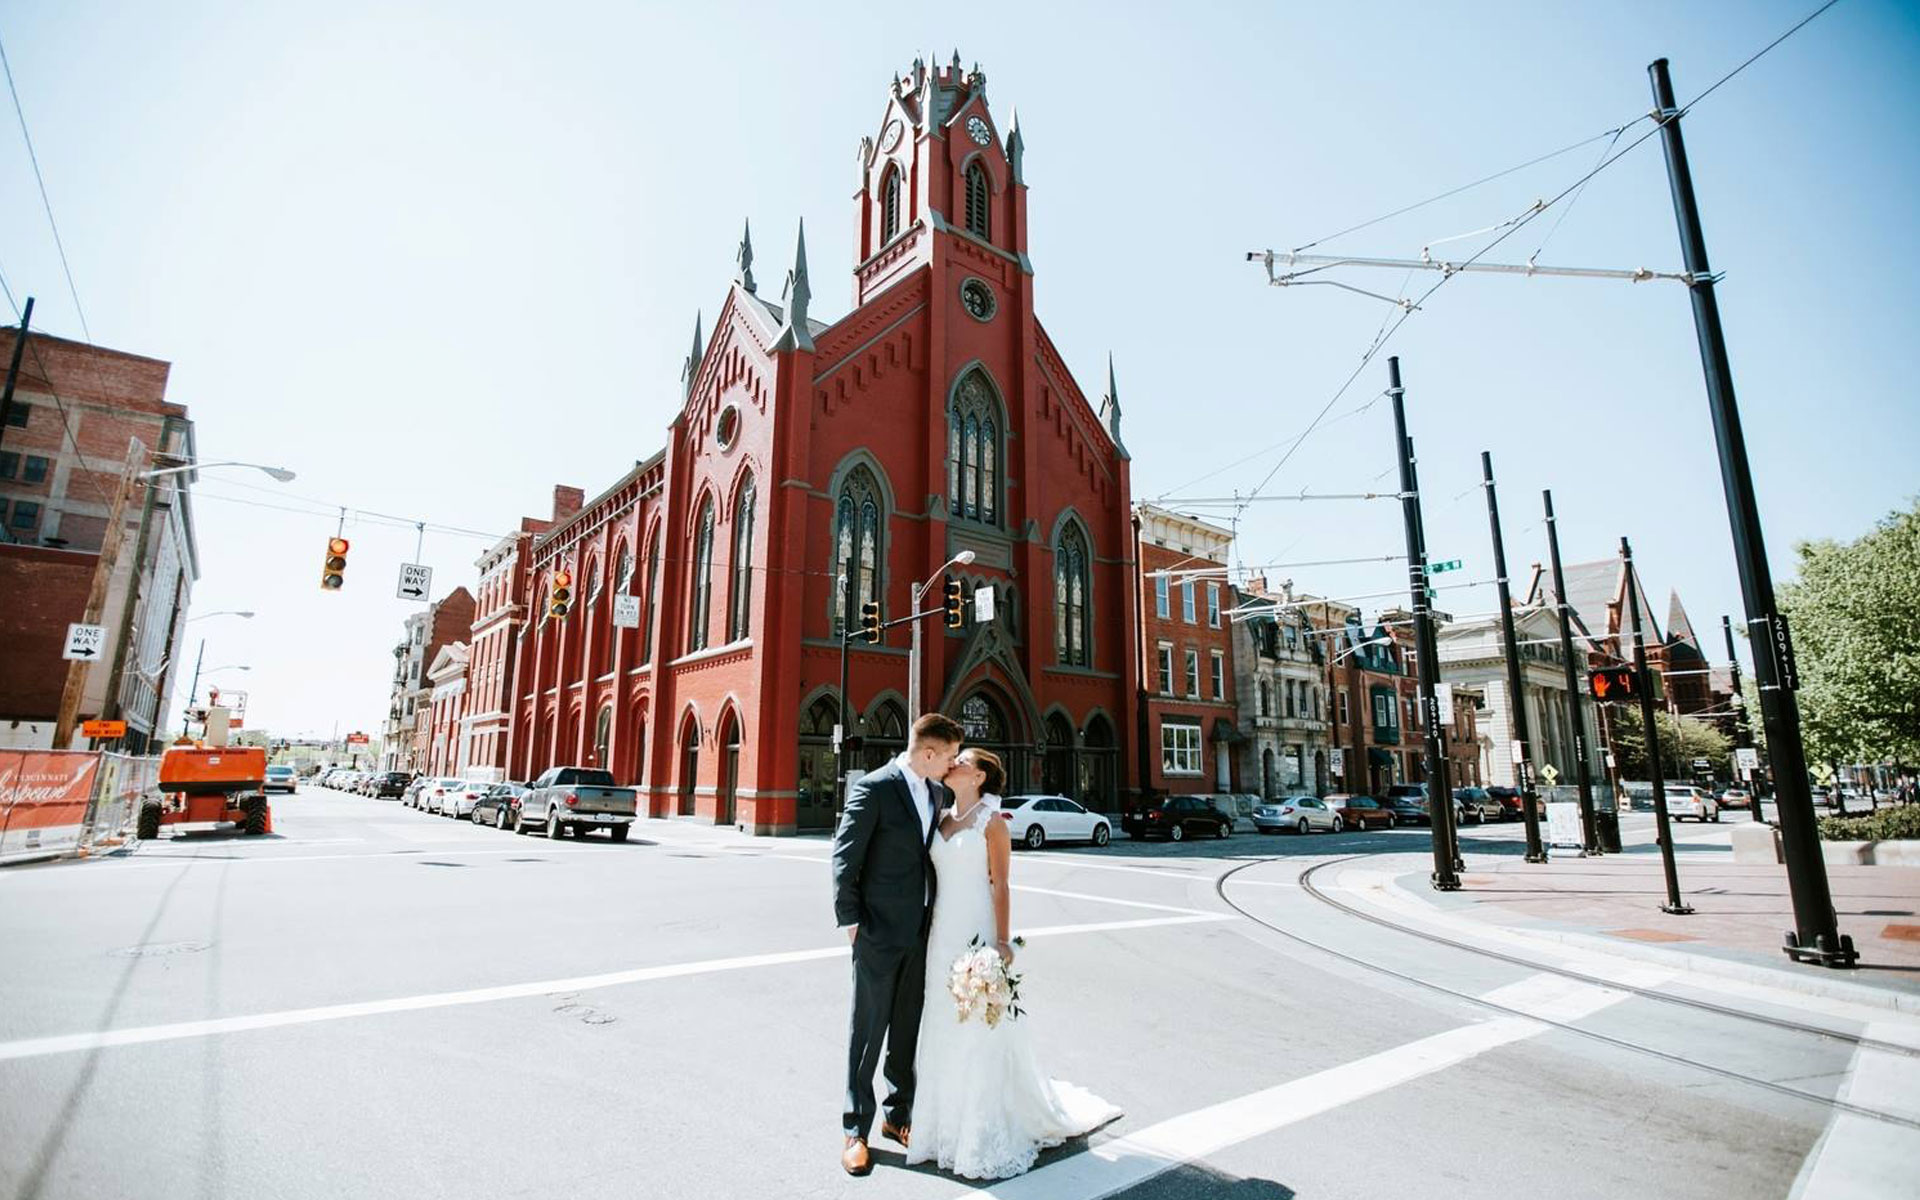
<point x="1166" y="668"/>
<point x="1186" y="603"/>
<point x="1193" y="674"/>
<point x="1219" y="676"/>
<point x="1179" y="747"/>
<point x="1162" y="600"/>
<point x="1213" y="605"/>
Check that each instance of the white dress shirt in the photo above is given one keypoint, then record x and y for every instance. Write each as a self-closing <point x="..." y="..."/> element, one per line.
<point x="922" y="794"/>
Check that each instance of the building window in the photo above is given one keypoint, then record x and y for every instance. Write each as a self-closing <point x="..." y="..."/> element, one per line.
<point x="1266" y="699"/>
<point x="17" y="415"/>
<point x="1293" y="638"/>
<point x="890" y="205"/>
<point x="1345" y="717"/>
<point x="1179" y="748"/>
<point x="1291" y="693"/>
<point x="1070" y="587"/>
<point x="857" y="546"/>
<point x="622" y="571"/>
<point x="977" y="200"/>
<point x="9" y="464"/>
<point x="653" y="592"/>
<point x="603" y="738"/>
<point x="702" y="597"/>
<point x="1213" y="605"/>
<point x="1162" y="601"/>
<point x="1219" y="676"/>
<point x="593" y="582"/>
<point x="1166" y="669"/>
<point x="1186" y="603"/>
<point x="1316" y="704"/>
<point x="973" y="452"/>
<point x="742" y="608"/>
<point x="26" y="515"/>
<point x="1193" y="674"/>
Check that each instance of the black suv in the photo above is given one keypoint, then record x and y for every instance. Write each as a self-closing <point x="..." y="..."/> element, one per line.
<point x="392" y="785"/>
<point x="1176" y="818"/>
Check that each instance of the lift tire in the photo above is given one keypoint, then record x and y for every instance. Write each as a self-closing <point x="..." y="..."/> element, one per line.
<point x="256" y="822"/>
<point x="149" y="826"/>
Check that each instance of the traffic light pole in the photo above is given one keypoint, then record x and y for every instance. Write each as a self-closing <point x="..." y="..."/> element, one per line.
<point x="1742" y="732"/>
<point x="1816" y="936"/>
<point x="1516" y="698"/>
<point x="1663" y="823"/>
<point x="1583" y="768"/>
<point x="1446" y="877"/>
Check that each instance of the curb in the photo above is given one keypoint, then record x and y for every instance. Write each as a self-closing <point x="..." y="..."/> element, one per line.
<point x="1813" y="985"/>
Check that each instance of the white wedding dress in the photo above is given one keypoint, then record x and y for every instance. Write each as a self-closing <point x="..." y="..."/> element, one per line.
<point x="982" y="1106"/>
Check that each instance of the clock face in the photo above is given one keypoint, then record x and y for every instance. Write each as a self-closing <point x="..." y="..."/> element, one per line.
<point x="978" y="131"/>
<point x="890" y="138"/>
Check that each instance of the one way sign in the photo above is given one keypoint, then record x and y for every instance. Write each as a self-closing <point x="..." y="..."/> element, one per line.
<point x="84" y="642"/>
<point x="416" y="581"/>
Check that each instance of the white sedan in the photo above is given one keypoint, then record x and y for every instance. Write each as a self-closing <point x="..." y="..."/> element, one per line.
<point x="1684" y="801"/>
<point x="1036" y="820"/>
<point x="459" y="800"/>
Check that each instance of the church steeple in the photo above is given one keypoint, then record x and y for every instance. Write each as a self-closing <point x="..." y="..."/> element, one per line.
<point x="692" y="366"/>
<point x="744" y="276"/>
<point x="795" y="335"/>
<point x="1110" y="411"/>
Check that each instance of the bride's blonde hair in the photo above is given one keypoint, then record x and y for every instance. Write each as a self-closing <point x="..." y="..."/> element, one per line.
<point x="996" y="771"/>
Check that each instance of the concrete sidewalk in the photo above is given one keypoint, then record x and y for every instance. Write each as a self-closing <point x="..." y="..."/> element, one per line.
<point x="1740" y="913"/>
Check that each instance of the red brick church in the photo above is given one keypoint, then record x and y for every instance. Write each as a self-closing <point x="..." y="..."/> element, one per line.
<point x="936" y="417"/>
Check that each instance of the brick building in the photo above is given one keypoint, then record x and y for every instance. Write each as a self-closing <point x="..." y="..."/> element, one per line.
<point x="80" y="415"/>
<point x="500" y="613"/>
<point x="1280" y="668"/>
<point x="408" y="741"/>
<point x="447" y="703"/>
<point x="1189" y="705"/>
<point x="936" y="417"/>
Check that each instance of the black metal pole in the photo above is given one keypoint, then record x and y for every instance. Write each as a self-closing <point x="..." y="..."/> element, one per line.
<point x="1742" y="731"/>
<point x="846" y="726"/>
<point x="1441" y="775"/>
<point x="1662" y="823"/>
<point x="1582" y="767"/>
<point x="13" y="368"/>
<point x="1446" y="877"/>
<point x="1816" y="935"/>
<point x="1516" y="698"/>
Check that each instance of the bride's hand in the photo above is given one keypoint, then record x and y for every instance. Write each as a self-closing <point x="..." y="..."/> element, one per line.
<point x="1006" y="952"/>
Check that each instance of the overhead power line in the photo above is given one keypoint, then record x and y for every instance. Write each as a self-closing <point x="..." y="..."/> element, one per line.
<point x="44" y="200"/>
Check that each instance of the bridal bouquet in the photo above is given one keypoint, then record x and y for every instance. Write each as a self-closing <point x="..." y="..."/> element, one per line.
<point x="982" y="986"/>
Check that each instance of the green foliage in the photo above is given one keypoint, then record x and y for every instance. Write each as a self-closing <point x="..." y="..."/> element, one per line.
<point x="1855" y="616"/>
<point x="1886" y="825"/>
<point x="1682" y="739"/>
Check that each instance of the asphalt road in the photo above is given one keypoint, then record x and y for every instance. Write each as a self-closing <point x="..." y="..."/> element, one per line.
<point x="376" y="1002"/>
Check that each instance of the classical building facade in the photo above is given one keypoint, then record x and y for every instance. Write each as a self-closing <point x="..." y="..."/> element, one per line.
<point x="447" y="750"/>
<point x="1280" y="668"/>
<point x="1189" y="701"/>
<point x="937" y="417"/>
<point x="408" y="734"/>
<point x="1472" y="655"/>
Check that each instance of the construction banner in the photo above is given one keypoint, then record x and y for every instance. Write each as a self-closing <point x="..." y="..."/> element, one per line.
<point x="44" y="798"/>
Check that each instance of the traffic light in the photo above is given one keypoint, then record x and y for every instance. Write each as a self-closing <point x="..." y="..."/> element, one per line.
<point x="870" y="620"/>
<point x="560" y="599"/>
<point x="955" y="606"/>
<point x="1612" y="684"/>
<point x="333" y="570"/>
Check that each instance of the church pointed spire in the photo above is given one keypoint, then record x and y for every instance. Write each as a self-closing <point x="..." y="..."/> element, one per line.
<point x="744" y="276"/>
<point x="795" y="334"/>
<point x="692" y="366"/>
<point x="1016" y="147"/>
<point x="1110" y="410"/>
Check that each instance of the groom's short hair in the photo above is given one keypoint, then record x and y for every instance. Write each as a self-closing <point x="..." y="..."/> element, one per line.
<point x="938" y="727"/>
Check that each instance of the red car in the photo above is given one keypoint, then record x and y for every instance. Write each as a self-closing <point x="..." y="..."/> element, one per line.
<point x="1359" y="812"/>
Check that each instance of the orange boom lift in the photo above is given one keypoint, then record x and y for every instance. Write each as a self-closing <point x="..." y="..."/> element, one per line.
<point x="210" y="784"/>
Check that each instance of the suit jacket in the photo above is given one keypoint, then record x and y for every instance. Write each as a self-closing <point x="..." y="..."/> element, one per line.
<point x="882" y="873"/>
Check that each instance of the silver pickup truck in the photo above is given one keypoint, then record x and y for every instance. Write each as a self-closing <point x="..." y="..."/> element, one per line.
<point x="576" y="800"/>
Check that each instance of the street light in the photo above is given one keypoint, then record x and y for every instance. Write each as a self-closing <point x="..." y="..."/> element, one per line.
<point x="913" y="660"/>
<point x="280" y="474"/>
<point x="231" y="612"/>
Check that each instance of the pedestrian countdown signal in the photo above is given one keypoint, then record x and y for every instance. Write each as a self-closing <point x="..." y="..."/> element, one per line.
<point x="1614" y="684"/>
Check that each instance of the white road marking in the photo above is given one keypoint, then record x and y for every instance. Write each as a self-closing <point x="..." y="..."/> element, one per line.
<point x="140" y="1035"/>
<point x="1858" y="1157"/>
<point x="151" y="862"/>
<point x="1127" y="1162"/>
<point x="1040" y="891"/>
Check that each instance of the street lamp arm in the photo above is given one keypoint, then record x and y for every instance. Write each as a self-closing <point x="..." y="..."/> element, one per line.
<point x="281" y="474"/>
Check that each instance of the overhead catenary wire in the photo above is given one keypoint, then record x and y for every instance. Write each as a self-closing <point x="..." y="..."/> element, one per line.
<point x="45" y="202"/>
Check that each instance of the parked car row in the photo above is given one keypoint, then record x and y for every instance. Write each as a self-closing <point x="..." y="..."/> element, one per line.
<point x="576" y="800"/>
<point x="1685" y="801"/>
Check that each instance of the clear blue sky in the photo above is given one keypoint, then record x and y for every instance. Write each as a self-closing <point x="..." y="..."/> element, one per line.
<point x="437" y="258"/>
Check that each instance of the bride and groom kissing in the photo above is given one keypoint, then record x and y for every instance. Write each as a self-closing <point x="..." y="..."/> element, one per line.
<point x="920" y="881"/>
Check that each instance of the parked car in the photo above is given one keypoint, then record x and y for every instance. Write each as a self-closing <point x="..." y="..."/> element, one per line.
<point x="1512" y="807"/>
<point x="1361" y="812"/>
<point x="1417" y="792"/>
<point x="459" y="802"/>
<point x="576" y="800"/>
<point x="392" y="785"/>
<point x="1478" y="805"/>
<point x="1036" y="820"/>
<point x="1176" y="818"/>
<point x="1302" y="814"/>
<point x="280" y="779"/>
<point x="1736" y="798"/>
<point x="411" y="796"/>
<point x="499" y="805"/>
<point x="1686" y="801"/>
<point x="433" y="797"/>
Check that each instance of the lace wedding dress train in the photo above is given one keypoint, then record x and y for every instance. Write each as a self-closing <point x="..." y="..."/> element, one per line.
<point x="982" y="1106"/>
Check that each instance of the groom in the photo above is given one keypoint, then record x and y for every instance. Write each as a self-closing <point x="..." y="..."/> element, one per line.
<point x="883" y="897"/>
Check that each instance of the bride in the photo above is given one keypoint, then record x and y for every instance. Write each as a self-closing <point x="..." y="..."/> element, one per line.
<point x="984" y="1108"/>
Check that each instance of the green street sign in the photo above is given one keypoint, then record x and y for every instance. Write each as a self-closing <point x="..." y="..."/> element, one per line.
<point x="1452" y="564"/>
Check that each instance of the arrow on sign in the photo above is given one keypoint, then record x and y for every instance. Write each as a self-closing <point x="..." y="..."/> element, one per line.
<point x="84" y="652"/>
<point x="416" y="593"/>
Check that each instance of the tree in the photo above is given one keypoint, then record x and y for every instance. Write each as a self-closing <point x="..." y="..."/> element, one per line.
<point x="1854" y="613"/>
<point x="1682" y="739"/>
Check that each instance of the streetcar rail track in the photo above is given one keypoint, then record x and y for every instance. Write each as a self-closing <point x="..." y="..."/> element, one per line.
<point x="1830" y="1102"/>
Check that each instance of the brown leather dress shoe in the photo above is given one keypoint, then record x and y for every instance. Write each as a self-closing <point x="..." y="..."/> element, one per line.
<point x="855" y="1158"/>
<point x="896" y="1133"/>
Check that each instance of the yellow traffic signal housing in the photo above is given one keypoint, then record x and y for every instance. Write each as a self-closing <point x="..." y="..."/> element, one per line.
<point x="956" y="604"/>
<point x="870" y="621"/>
<point x="560" y="598"/>
<point x="333" y="569"/>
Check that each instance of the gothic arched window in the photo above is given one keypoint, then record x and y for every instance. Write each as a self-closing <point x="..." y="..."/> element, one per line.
<point x="973" y="451"/>
<point x="1071" y="589"/>
<point x="700" y="609"/>
<point x="977" y="200"/>
<point x="890" y="205"/>
<point x="742" y="607"/>
<point x="653" y="588"/>
<point x="857" y="545"/>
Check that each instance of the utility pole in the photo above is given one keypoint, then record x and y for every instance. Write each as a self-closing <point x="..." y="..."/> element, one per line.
<point x="1446" y="877"/>
<point x="1516" y="699"/>
<point x="1583" y="769"/>
<point x="1442" y="774"/>
<point x="1664" y="824"/>
<point x="115" y="533"/>
<point x="1816" y="936"/>
<point x="13" y="368"/>
<point x="1742" y="731"/>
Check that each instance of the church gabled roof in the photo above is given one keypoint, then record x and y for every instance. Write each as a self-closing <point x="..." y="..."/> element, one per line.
<point x="1679" y="629"/>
